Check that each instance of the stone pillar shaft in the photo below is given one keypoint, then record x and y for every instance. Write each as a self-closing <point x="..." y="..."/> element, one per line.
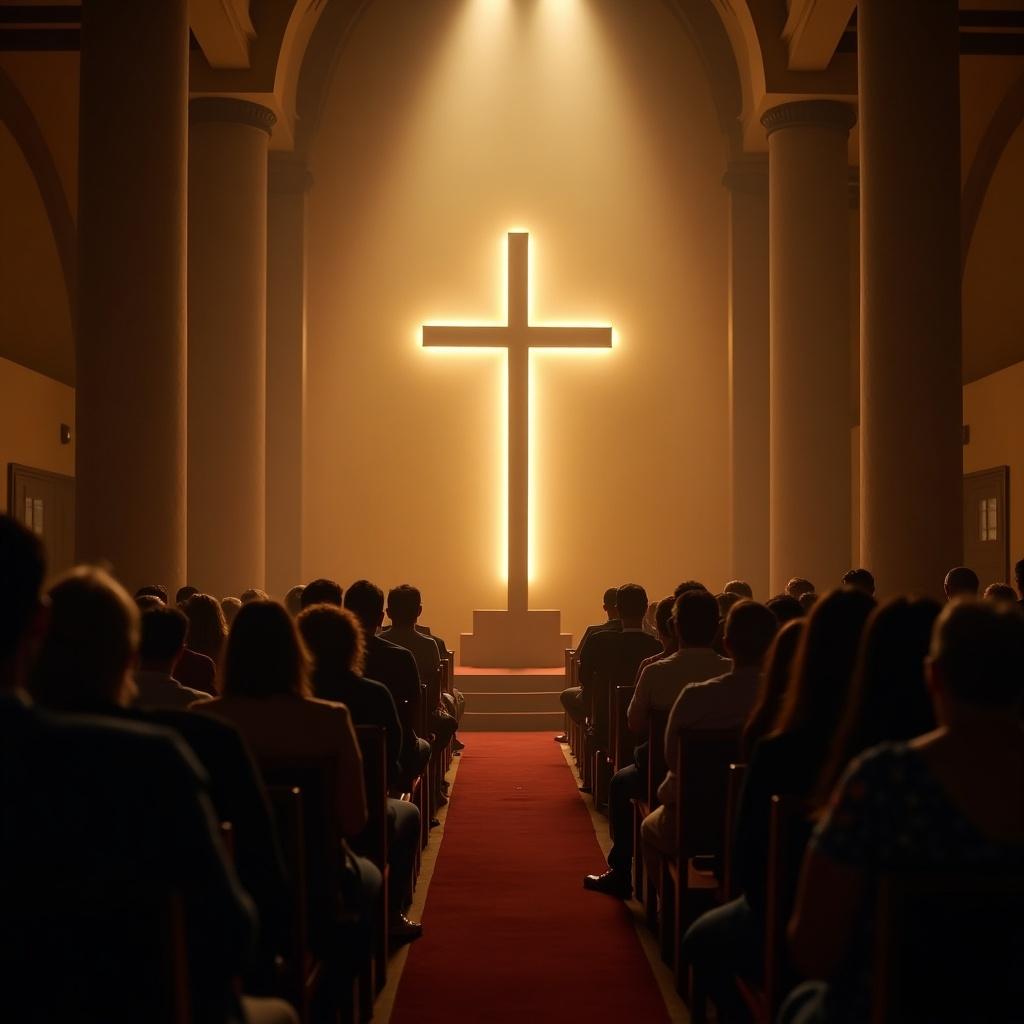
<point x="227" y="269"/>
<point x="749" y="362"/>
<point x="286" y="369"/>
<point x="810" y="341"/>
<point x="130" y="460"/>
<point x="911" y="375"/>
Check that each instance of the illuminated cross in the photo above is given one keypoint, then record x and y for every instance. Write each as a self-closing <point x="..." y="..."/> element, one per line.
<point x="518" y="337"/>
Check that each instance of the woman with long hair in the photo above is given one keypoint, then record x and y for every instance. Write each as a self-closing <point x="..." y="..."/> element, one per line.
<point x="777" y="668"/>
<point x="207" y="627"/>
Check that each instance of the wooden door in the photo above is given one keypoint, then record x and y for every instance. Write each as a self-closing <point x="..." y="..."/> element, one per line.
<point x="45" y="503"/>
<point x="987" y="524"/>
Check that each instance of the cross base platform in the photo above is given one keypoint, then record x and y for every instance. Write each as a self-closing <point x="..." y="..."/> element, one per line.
<point x="521" y="639"/>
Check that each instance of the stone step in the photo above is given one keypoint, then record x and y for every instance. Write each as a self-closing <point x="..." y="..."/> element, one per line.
<point x="470" y="680"/>
<point x="530" y="721"/>
<point x="514" y="702"/>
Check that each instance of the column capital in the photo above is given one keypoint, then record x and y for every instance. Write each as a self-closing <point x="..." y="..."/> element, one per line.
<point x="749" y="177"/>
<point x="810" y="113"/>
<point x="288" y="174"/>
<point x="232" y="110"/>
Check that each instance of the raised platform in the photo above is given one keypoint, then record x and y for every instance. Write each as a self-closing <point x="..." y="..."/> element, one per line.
<point x="511" y="699"/>
<point x="515" y="639"/>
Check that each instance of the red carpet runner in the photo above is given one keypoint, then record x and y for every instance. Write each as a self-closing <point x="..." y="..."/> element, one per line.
<point x="509" y="933"/>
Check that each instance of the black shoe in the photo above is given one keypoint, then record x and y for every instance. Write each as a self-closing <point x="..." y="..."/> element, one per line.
<point x="457" y="745"/>
<point x="612" y="882"/>
<point x="401" y="930"/>
<point x="562" y="739"/>
<point x="434" y="822"/>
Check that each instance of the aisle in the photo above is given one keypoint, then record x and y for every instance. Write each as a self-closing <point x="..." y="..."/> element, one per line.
<point x="509" y="933"/>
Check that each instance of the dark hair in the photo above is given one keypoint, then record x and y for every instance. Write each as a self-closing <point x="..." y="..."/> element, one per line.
<point x="610" y="597"/>
<point x="809" y="599"/>
<point x="861" y="579"/>
<point x="230" y="607"/>
<point x="740" y="587"/>
<point x="663" y="616"/>
<point x="91" y="638"/>
<point x="823" y="668"/>
<point x="334" y="639"/>
<point x="254" y="594"/>
<point x="750" y="629"/>
<point x="696" y="618"/>
<point x="153" y="590"/>
<point x="888" y="697"/>
<point x="404" y="603"/>
<point x="979" y="648"/>
<point x="184" y="593"/>
<point x="631" y="601"/>
<point x="163" y="634"/>
<point x="800" y="584"/>
<point x="727" y="600"/>
<point x="320" y="591"/>
<point x="264" y="655"/>
<point x="1018" y="570"/>
<point x="207" y="627"/>
<point x="22" y="568"/>
<point x="962" y="580"/>
<point x="775" y="679"/>
<point x="785" y="608"/>
<point x="1000" y="592"/>
<point x="293" y="599"/>
<point x="366" y="600"/>
<point x="686" y="586"/>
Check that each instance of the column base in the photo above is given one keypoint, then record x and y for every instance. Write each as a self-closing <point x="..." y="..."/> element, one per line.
<point x="504" y="639"/>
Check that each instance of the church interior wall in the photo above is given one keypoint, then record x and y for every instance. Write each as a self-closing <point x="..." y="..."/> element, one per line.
<point x="598" y="134"/>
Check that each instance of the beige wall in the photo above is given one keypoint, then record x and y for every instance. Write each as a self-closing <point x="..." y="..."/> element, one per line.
<point x="591" y="126"/>
<point x="32" y="408"/>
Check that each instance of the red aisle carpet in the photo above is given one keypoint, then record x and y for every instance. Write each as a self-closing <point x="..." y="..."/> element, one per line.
<point x="509" y="933"/>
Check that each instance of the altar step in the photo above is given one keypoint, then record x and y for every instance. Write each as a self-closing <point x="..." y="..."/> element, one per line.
<point x="511" y="700"/>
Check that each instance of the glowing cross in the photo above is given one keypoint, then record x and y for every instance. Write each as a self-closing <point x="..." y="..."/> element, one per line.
<point x="518" y="336"/>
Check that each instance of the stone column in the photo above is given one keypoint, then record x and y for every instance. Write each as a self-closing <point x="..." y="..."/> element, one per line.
<point x="286" y="368"/>
<point x="749" y="338"/>
<point x="130" y="460"/>
<point x="810" y="341"/>
<point x="911" y="376"/>
<point x="227" y="309"/>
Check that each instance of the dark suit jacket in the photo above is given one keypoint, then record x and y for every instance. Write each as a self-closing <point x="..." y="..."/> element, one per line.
<point x="100" y="822"/>
<point x="396" y="668"/>
<point x="598" y="627"/>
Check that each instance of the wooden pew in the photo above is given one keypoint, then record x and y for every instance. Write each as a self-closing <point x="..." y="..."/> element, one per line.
<point x="645" y="887"/>
<point x="737" y="774"/>
<point x="623" y="741"/>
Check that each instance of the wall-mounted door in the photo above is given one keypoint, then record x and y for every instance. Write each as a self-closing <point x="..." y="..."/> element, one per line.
<point x="987" y="524"/>
<point x="45" y="503"/>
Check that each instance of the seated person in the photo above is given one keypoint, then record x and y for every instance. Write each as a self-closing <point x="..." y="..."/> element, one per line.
<point x="334" y="640"/>
<point x="194" y="670"/>
<point x="798" y="586"/>
<point x="695" y="622"/>
<point x="861" y="579"/>
<point x="320" y="591"/>
<point x="395" y="667"/>
<point x="930" y="803"/>
<point x="207" y="627"/>
<point x="740" y="587"/>
<point x="160" y="648"/>
<point x="724" y="702"/>
<point x="961" y="582"/>
<point x="266" y="696"/>
<point x="73" y="674"/>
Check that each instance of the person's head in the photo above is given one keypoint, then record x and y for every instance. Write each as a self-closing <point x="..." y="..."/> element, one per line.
<point x="320" y="591"/>
<point x="860" y="579"/>
<point x="663" y="621"/>
<point x="888" y="698"/>
<point x="404" y="605"/>
<point x="726" y="601"/>
<point x="1000" y="593"/>
<point x="824" y="665"/>
<point x="631" y="601"/>
<point x="695" y="617"/>
<point x="293" y="600"/>
<point x="183" y="594"/>
<point x="775" y="679"/>
<point x="91" y="640"/>
<point x="230" y="607"/>
<point x="741" y="587"/>
<point x="785" y="608"/>
<point x="608" y="603"/>
<point x="1018" y="577"/>
<point x="254" y="594"/>
<point x="163" y="638"/>
<point x="22" y="616"/>
<point x="207" y="627"/>
<point x="961" y="582"/>
<point x="749" y="630"/>
<point x="366" y="601"/>
<point x="263" y="656"/>
<point x="153" y="590"/>
<point x="146" y="601"/>
<point x="808" y="601"/>
<point x="976" y="661"/>
<point x="688" y="585"/>
<point x="334" y="638"/>
<point x="798" y="586"/>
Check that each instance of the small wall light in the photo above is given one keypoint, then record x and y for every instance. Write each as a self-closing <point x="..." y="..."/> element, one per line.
<point x="65" y="434"/>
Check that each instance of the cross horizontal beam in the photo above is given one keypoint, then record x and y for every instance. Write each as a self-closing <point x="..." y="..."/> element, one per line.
<point x="508" y="337"/>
